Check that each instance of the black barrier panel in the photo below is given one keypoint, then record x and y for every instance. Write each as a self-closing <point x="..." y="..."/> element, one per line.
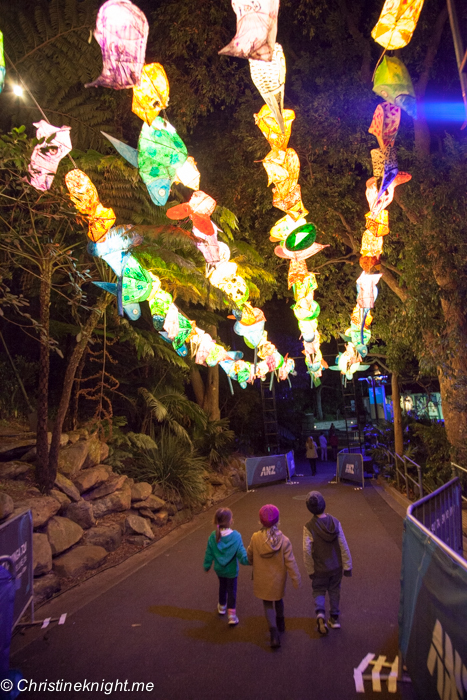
<point x="263" y="470"/>
<point x="441" y="513"/>
<point x="16" y="542"/>
<point x="350" y="466"/>
<point x="290" y="463"/>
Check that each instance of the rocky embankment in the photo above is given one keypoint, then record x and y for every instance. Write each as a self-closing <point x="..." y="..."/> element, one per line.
<point x="92" y="515"/>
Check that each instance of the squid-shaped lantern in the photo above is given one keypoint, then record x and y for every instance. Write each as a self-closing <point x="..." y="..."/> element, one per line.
<point x="385" y="124"/>
<point x="198" y="209"/>
<point x="121" y="32"/>
<point x="392" y="82"/>
<point x="151" y="94"/>
<point x="256" y="29"/>
<point x="47" y="155"/>
<point x="277" y="137"/>
<point x="269" y="79"/>
<point x="84" y="196"/>
<point x="397" y="23"/>
<point x="376" y="201"/>
<point x="2" y="63"/>
<point x="367" y="290"/>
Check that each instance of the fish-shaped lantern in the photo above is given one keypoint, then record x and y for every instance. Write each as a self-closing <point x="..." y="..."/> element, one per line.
<point x="46" y="156"/>
<point x="256" y="30"/>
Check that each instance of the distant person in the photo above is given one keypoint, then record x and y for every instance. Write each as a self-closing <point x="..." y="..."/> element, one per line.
<point x="312" y="453"/>
<point x="334" y="443"/>
<point x="323" y="446"/>
<point x="225" y="548"/>
<point x="270" y="553"/>
<point x="332" y="430"/>
<point x="326" y="556"/>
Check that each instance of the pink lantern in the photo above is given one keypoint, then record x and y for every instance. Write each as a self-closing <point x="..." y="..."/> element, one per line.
<point x="256" y="30"/>
<point x="47" y="155"/>
<point x="121" y="32"/>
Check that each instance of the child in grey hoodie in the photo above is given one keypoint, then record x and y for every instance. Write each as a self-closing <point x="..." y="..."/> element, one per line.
<point x="326" y="557"/>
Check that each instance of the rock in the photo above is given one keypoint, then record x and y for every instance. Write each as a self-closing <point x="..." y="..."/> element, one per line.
<point x="67" y="487"/>
<point x="160" y="518"/>
<point x="88" y="478"/>
<point x="31" y="454"/>
<point x="139" y="540"/>
<point x="45" y="587"/>
<point x="114" y="502"/>
<point x="138" y="525"/>
<point x="140" y="491"/>
<point x="13" y="449"/>
<point x="61" y="497"/>
<point x="42" y="509"/>
<point x="152" y="502"/>
<point x="73" y="436"/>
<point x="7" y="505"/>
<point x="216" y="480"/>
<point x="12" y="470"/>
<point x="237" y="480"/>
<point x="107" y="536"/>
<point x="220" y="493"/>
<point x="146" y="513"/>
<point x="79" y="560"/>
<point x="63" y="533"/>
<point x="81" y="513"/>
<point x="112" y="484"/>
<point x="94" y="452"/>
<point x="171" y="509"/>
<point x="104" y="452"/>
<point x="72" y="458"/>
<point x="158" y="490"/>
<point x="41" y="554"/>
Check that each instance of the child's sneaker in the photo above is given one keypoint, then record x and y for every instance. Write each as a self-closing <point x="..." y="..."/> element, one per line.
<point x="233" y="619"/>
<point x="221" y="609"/>
<point x="334" y="622"/>
<point x="322" y="626"/>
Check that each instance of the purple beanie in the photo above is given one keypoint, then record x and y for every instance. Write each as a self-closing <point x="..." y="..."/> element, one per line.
<point x="269" y="515"/>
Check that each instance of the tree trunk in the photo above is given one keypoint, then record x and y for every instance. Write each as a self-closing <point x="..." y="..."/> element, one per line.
<point x="319" y="407"/>
<point x="211" y="394"/>
<point x="396" y="405"/>
<point x="42" y="447"/>
<point x="68" y="380"/>
<point x="197" y="385"/>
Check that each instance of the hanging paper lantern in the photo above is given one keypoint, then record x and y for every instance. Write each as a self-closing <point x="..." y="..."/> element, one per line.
<point x="270" y="128"/>
<point x="47" y="155"/>
<point x="84" y="196"/>
<point x="378" y="203"/>
<point x="283" y="227"/>
<point x="283" y="169"/>
<point x="151" y="94"/>
<point x="2" y="63"/>
<point x="392" y="82"/>
<point x="371" y="245"/>
<point x="367" y="291"/>
<point x="315" y="248"/>
<point x="385" y="124"/>
<point x="199" y="209"/>
<point x="269" y="79"/>
<point x="160" y="153"/>
<point x="252" y="333"/>
<point x="121" y="32"/>
<point x="301" y="238"/>
<point x="369" y="262"/>
<point x="397" y="23"/>
<point x="292" y="203"/>
<point x="137" y="283"/>
<point x="188" y="174"/>
<point x="297" y="272"/>
<point x="379" y="225"/>
<point x="256" y="30"/>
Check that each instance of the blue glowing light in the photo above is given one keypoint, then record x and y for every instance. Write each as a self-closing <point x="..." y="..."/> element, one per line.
<point x="445" y="111"/>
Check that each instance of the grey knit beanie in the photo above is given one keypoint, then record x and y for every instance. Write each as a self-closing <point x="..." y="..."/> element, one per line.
<point x="315" y="503"/>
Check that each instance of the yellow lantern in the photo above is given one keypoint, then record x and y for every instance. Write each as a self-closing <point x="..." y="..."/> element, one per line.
<point x="151" y="95"/>
<point x="271" y="130"/>
<point x="397" y="23"/>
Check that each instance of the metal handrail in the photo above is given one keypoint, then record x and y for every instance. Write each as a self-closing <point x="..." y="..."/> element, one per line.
<point x="457" y="466"/>
<point x="405" y="475"/>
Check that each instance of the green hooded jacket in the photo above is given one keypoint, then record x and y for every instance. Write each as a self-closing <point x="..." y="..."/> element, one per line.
<point x="225" y="554"/>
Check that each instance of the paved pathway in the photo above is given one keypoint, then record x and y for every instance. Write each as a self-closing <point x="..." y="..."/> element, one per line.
<point x="159" y="624"/>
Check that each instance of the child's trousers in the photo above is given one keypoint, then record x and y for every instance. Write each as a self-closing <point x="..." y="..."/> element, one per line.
<point x="269" y="611"/>
<point x="332" y="584"/>
<point x="228" y="592"/>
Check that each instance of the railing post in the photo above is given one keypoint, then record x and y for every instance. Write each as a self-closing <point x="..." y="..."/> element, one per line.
<point x="406" y="477"/>
<point x="397" y="472"/>
<point x="420" y="480"/>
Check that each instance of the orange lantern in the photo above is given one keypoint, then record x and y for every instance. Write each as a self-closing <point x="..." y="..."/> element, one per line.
<point x="151" y="95"/>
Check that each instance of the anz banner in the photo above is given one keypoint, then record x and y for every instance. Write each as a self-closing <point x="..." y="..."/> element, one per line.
<point x="350" y="466"/>
<point x="16" y="543"/>
<point x="264" y="470"/>
<point x="433" y="617"/>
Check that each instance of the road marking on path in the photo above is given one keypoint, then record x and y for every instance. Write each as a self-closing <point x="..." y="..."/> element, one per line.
<point x="376" y="675"/>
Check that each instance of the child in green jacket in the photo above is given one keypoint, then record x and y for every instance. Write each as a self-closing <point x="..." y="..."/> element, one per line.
<point x="225" y="548"/>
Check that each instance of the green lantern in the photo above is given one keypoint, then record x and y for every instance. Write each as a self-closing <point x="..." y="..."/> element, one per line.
<point x="160" y="302"/>
<point x="300" y="238"/>
<point x="392" y="82"/>
<point x="136" y="282"/>
<point x="161" y="152"/>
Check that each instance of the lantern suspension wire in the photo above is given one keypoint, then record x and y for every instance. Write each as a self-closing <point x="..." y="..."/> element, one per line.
<point x="28" y="91"/>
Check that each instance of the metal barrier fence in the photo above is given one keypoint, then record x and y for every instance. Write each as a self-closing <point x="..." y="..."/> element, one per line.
<point x="441" y="513"/>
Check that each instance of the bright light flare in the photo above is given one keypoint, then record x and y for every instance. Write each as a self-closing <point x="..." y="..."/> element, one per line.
<point x="18" y="90"/>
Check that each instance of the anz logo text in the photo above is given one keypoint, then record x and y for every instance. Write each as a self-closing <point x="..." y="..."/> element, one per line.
<point x="268" y="471"/>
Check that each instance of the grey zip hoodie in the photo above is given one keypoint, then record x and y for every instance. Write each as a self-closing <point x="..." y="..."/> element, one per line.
<point x="325" y="549"/>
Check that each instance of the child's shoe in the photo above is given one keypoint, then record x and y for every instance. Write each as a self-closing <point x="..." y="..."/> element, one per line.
<point x="221" y="609"/>
<point x="280" y="622"/>
<point x="232" y="615"/>
<point x="275" y="639"/>
<point x="334" y="622"/>
<point x="322" y="626"/>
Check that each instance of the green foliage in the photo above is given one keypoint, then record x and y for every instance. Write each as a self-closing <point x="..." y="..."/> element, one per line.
<point x="172" y="409"/>
<point x="215" y="442"/>
<point x="432" y="450"/>
<point x="171" y="463"/>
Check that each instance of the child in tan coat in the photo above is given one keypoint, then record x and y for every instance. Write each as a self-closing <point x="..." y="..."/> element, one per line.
<point x="270" y="553"/>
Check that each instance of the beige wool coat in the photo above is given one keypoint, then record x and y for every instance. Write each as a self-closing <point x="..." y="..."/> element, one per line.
<point x="271" y="561"/>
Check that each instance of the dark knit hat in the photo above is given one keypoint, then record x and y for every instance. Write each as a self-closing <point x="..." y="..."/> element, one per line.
<point x="315" y="503"/>
<point x="269" y="515"/>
